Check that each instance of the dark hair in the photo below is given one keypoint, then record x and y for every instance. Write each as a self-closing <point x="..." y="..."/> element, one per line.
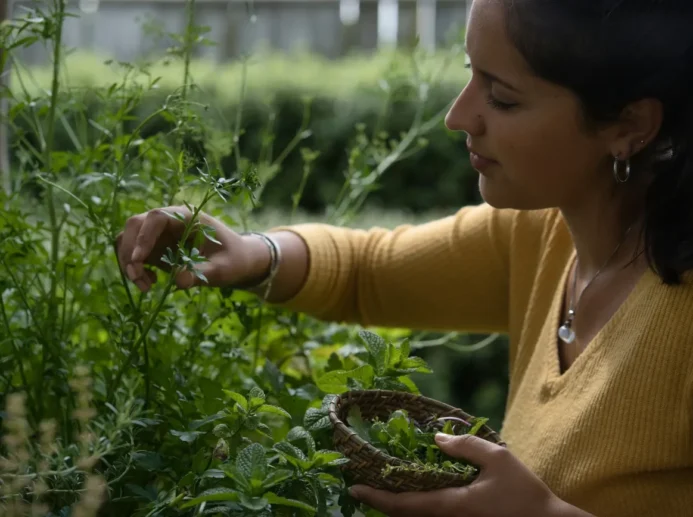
<point x="612" y="53"/>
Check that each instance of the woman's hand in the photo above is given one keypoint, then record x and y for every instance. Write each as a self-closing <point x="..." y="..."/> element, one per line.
<point x="504" y="488"/>
<point x="147" y="235"/>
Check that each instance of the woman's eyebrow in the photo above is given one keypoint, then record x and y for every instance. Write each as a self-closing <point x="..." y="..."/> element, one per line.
<point x="488" y="75"/>
<point x="496" y="79"/>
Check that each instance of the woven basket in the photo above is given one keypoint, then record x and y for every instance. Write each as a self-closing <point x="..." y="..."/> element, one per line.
<point x="367" y="462"/>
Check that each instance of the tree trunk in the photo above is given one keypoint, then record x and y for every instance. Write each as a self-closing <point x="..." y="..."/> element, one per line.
<point x="5" y="175"/>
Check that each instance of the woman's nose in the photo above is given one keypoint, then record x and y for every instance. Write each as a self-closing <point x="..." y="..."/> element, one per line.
<point x="465" y="113"/>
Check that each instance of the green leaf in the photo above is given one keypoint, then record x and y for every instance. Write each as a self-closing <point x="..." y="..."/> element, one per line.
<point x="196" y="424"/>
<point x="238" y="477"/>
<point x="256" y="392"/>
<point x="210" y="233"/>
<point x="358" y="424"/>
<point x="477" y="425"/>
<point x="289" y="450"/>
<point x="252" y="462"/>
<point x="255" y="403"/>
<point x="328" y="479"/>
<point x="336" y="382"/>
<point x="186" y="480"/>
<point x="238" y="398"/>
<point x="213" y="494"/>
<point x="413" y="365"/>
<point x="214" y="473"/>
<point x="388" y="383"/>
<point x="394" y="355"/>
<point x="331" y="458"/>
<point x="254" y="503"/>
<point x="275" y="410"/>
<point x="275" y="477"/>
<point x="404" y="349"/>
<point x="377" y="348"/>
<point x="300" y="433"/>
<point x="178" y="216"/>
<point x="411" y="386"/>
<point x="316" y="419"/>
<point x="186" y="436"/>
<point x="327" y="401"/>
<point x="151" y="461"/>
<point x="283" y="501"/>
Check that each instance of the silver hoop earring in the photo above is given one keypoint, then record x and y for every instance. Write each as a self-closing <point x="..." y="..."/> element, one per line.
<point x="618" y="175"/>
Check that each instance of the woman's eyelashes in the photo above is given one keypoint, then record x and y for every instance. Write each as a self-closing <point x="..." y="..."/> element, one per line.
<point x="491" y="99"/>
<point x="498" y="104"/>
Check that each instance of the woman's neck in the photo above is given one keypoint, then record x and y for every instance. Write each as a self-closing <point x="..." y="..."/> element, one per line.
<point x="599" y="228"/>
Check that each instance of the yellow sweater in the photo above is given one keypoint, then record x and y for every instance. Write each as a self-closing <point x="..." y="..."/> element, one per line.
<point x="614" y="434"/>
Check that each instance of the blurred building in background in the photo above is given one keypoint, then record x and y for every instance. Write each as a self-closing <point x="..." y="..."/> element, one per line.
<point x="128" y="29"/>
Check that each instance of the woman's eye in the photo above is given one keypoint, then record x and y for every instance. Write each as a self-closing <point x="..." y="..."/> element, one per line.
<point x="499" y="105"/>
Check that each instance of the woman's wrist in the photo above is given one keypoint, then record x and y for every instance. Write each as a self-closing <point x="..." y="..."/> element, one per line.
<point x="258" y="259"/>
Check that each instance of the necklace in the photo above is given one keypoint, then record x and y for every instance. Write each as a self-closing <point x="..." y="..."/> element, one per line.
<point x="566" y="332"/>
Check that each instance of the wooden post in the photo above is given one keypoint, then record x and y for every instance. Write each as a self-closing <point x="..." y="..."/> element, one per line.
<point x="388" y="23"/>
<point x="426" y="23"/>
<point x="5" y="174"/>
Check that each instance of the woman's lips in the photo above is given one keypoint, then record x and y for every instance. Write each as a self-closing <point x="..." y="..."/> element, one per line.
<point x="480" y="162"/>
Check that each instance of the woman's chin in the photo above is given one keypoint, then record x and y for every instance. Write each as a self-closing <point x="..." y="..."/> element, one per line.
<point x="492" y="193"/>
<point x="499" y="194"/>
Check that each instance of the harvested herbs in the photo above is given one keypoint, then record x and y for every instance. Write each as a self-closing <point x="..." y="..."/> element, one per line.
<point x="404" y="438"/>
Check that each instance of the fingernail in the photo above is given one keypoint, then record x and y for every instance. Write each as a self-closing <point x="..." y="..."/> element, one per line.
<point x="442" y="437"/>
<point x="130" y="272"/>
<point x="354" y="492"/>
<point x="136" y="254"/>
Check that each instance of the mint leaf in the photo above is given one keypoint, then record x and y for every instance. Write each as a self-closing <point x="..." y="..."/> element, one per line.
<point x="377" y="348"/>
<point x="275" y="477"/>
<point x="336" y="381"/>
<point x="316" y="419"/>
<point x="251" y="462"/>
<point x="332" y="458"/>
<point x="283" y="501"/>
<point x="412" y="365"/>
<point x="289" y="450"/>
<point x="256" y="392"/>
<point x="299" y="433"/>
<point x="253" y="503"/>
<point x="186" y="436"/>
<point x="238" y="398"/>
<point x="405" y="349"/>
<point x="477" y="425"/>
<point x="213" y="494"/>
<point x="275" y="410"/>
<point x="358" y="424"/>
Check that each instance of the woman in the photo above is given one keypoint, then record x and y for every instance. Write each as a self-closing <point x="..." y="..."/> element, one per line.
<point x="579" y="117"/>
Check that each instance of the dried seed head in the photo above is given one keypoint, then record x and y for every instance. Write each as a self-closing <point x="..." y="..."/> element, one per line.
<point x="87" y="463"/>
<point x="92" y="497"/>
<point x="48" y="429"/>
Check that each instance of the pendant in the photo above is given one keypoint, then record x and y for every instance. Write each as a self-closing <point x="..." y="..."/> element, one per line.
<point x="566" y="333"/>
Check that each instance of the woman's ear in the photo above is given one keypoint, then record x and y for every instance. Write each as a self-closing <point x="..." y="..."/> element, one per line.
<point x="637" y="127"/>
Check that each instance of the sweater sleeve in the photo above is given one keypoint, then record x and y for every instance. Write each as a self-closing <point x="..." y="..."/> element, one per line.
<point x="450" y="274"/>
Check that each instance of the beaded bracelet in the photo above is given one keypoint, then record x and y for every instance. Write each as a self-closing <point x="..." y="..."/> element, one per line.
<point x="275" y="261"/>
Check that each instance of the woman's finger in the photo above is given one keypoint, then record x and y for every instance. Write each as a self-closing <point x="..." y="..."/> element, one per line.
<point x="155" y="223"/>
<point x="469" y="447"/>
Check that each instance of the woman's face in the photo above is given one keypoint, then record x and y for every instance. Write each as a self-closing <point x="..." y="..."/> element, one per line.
<point x="526" y="136"/>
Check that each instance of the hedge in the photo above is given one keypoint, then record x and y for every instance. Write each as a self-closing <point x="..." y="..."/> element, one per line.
<point x="344" y="93"/>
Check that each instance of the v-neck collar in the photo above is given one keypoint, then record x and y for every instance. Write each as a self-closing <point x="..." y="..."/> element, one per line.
<point x="554" y="376"/>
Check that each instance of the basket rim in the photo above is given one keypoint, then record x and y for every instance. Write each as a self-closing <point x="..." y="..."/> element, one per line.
<point x="387" y="458"/>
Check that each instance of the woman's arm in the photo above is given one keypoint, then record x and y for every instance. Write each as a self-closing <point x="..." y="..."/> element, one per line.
<point x="452" y="273"/>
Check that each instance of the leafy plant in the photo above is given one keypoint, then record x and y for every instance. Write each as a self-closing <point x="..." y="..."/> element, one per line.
<point x="402" y="437"/>
<point x="170" y="402"/>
